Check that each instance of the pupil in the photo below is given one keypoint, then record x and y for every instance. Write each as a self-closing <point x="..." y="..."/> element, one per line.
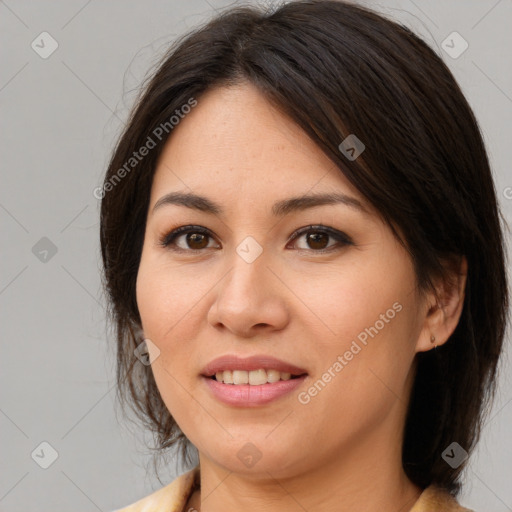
<point x="197" y="238"/>
<point x="315" y="238"/>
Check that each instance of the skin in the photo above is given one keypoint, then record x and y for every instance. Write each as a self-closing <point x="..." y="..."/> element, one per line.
<point x="294" y="303"/>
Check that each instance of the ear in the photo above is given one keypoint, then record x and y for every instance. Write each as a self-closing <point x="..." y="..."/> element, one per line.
<point x="442" y="311"/>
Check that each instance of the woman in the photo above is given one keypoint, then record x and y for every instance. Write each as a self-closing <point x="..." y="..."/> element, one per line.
<point x="305" y="265"/>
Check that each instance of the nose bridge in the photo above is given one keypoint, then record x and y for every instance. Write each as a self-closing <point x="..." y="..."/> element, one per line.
<point x="247" y="296"/>
<point x="248" y="271"/>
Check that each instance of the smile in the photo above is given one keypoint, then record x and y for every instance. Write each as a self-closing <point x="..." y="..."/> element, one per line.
<point x="254" y="377"/>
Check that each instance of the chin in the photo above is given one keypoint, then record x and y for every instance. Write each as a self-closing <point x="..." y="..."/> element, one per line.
<point x="254" y="455"/>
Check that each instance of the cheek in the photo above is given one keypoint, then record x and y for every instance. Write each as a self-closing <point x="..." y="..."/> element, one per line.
<point x="167" y="299"/>
<point x="359" y="385"/>
<point x="341" y="308"/>
<point x="164" y="299"/>
<point x="369" y="325"/>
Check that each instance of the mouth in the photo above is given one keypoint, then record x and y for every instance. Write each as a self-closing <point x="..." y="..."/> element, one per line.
<point x="253" y="381"/>
<point x="253" y="377"/>
<point x="255" y="370"/>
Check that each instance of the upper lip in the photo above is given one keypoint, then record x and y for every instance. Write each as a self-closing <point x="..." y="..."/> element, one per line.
<point x="234" y="362"/>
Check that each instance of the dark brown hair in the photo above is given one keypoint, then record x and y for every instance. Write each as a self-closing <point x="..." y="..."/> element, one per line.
<point x="336" y="69"/>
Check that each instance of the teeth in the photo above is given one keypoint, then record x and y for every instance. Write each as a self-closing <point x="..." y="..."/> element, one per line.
<point x="273" y="375"/>
<point x="254" y="377"/>
<point x="257" y="377"/>
<point x="240" y="377"/>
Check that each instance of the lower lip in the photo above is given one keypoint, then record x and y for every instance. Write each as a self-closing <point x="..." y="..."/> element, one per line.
<point x="246" y="395"/>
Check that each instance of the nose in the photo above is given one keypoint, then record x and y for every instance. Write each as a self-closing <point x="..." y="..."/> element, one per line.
<point x="250" y="300"/>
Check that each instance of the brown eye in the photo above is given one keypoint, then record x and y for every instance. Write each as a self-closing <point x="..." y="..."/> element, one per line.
<point x="197" y="240"/>
<point x="317" y="238"/>
<point x="187" y="239"/>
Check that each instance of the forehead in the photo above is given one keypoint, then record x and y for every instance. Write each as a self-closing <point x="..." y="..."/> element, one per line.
<point x="234" y="140"/>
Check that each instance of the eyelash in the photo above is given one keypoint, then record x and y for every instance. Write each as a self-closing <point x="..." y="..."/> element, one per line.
<point x="343" y="240"/>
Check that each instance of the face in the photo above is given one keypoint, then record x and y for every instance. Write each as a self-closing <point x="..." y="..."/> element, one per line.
<point x="325" y="289"/>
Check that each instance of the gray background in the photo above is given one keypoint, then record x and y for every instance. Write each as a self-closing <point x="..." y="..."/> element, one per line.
<point x="60" y="116"/>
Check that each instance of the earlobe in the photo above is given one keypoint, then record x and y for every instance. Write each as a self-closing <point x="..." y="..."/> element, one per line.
<point x="445" y="307"/>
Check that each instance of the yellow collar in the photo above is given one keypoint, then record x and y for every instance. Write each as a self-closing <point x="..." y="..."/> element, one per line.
<point x="173" y="498"/>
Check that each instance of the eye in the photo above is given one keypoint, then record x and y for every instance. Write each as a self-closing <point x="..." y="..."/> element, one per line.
<point x="195" y="238"/>
<point x="317" y="237"/>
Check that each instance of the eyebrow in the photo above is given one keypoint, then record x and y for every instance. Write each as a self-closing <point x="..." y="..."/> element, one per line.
<point x="279" y="209"/>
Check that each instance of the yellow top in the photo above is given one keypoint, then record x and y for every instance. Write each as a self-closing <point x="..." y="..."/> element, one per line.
<point x="173" y="498"/>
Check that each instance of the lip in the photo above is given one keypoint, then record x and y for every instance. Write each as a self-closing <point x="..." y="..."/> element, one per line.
<point x="234" y="362"/>
<point x="245" y="395"/>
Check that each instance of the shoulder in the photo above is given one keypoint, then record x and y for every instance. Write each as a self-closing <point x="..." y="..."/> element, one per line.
<point x="436" y="499"/>
<point x="171" y="498"/>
